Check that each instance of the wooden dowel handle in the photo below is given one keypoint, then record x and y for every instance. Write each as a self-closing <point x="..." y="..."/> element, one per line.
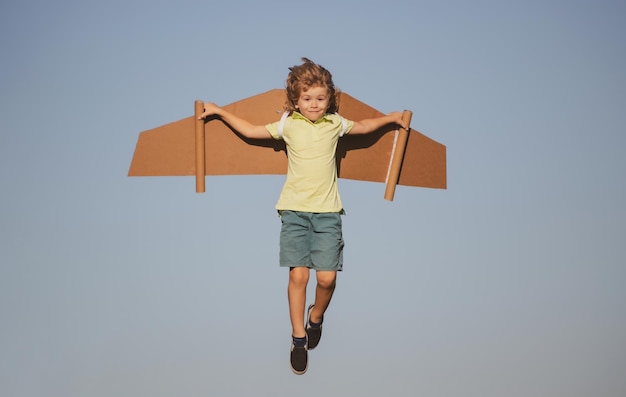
<point x="200" y="155"/>
<point x="398" y="157"/>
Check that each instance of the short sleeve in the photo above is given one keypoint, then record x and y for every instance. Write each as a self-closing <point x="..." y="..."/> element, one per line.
<point x="272" y="128"/>
<point x="346" y="125"/>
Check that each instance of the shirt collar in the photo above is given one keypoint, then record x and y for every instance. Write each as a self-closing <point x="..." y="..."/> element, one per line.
<point x="298" y="115"/>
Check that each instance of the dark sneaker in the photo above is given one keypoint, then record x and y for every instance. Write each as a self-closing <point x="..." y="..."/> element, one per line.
<point x="299" y="359"/>
<point x="313" y="332"/>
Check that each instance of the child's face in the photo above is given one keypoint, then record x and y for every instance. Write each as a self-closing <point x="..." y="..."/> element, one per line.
<point x="313" y="103"/>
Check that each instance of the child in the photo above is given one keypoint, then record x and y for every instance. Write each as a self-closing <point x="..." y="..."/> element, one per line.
<point x="309" y="204"/>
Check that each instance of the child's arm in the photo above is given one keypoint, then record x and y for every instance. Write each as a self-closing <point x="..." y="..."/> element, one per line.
<point x="366" y="126"/>
<point x="240" y="125"/>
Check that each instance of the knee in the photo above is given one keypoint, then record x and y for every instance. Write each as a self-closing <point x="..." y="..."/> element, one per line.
<point x="326" y="280"/>
<point x="299" y="276"/>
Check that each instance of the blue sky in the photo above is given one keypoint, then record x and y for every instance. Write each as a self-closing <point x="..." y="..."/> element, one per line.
<point x="508" y="283"/>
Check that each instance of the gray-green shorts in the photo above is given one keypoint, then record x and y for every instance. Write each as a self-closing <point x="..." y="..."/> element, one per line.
<point x="312" y="240"/>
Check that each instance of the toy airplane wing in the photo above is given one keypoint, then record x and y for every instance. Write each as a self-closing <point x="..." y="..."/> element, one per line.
<point x="197" y="147"/>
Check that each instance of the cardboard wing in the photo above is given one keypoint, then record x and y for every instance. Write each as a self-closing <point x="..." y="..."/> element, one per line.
<point x="209" y="147"/>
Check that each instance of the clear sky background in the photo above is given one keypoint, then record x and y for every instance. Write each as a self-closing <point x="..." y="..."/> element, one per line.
<point x="508" y="283"/>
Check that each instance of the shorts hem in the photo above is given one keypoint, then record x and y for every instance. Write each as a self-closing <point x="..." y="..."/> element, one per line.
<point x="317" y="268"/>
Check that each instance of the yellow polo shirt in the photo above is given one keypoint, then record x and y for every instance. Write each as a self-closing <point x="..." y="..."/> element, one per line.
<point x="311" y="184"/>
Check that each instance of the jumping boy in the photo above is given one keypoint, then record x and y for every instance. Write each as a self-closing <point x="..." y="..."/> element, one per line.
<point x="309" y="205"/>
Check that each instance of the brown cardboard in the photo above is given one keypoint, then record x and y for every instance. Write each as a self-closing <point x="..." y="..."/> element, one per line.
<point x="170" y="150"/>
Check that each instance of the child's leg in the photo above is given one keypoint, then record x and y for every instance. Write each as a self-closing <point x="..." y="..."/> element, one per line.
<point x="296" y="291"/>
<point x="326" y="281"/>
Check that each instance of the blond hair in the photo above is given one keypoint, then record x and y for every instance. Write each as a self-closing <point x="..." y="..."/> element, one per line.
<point x="308" y="75"/>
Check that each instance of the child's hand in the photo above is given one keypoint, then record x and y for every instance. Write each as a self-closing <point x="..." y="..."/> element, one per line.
<point x="209" y="109"/>
<point x="397" y="118"/>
